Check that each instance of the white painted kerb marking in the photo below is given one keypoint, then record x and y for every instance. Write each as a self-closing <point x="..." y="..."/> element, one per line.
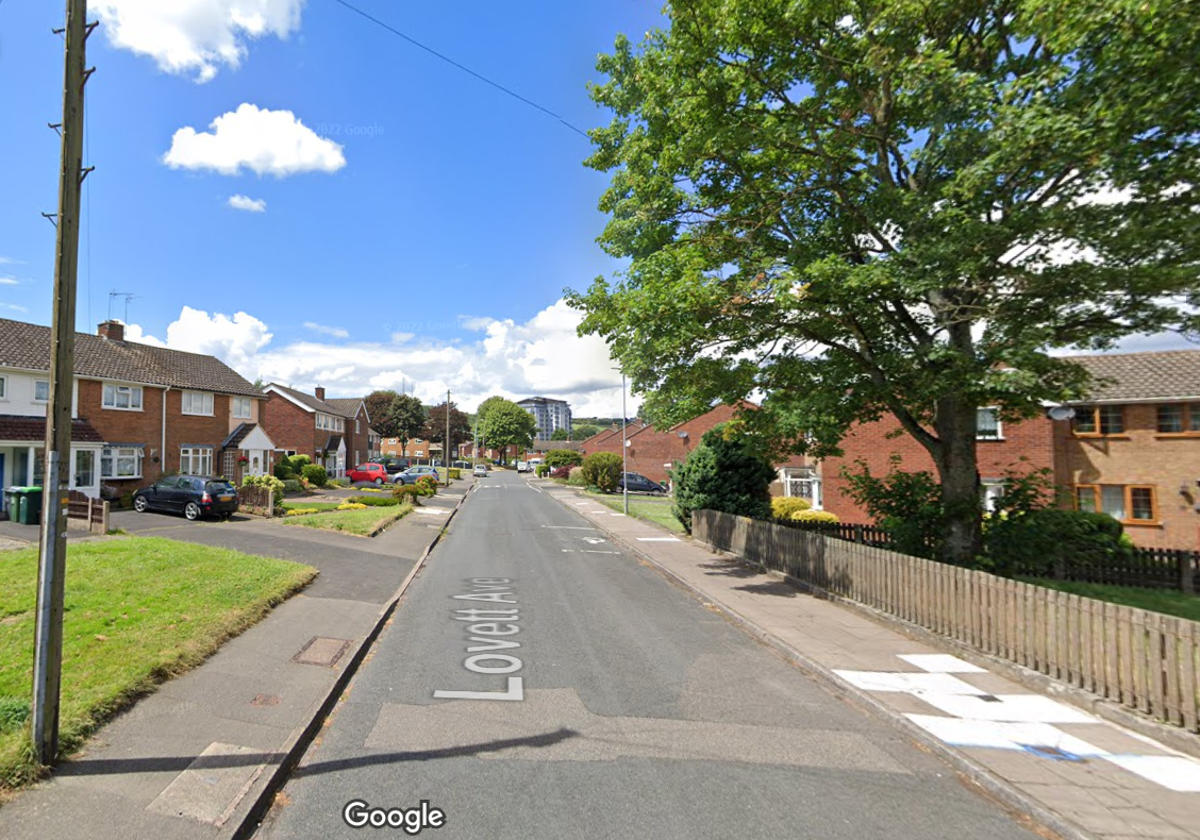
<point x="658" y="539"/>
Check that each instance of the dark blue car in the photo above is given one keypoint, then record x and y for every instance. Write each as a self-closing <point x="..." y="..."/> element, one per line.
<point x="192" y="495"/>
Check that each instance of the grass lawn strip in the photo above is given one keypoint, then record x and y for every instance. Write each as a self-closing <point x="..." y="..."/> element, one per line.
<point x="1166" y="601"/>
<point x="359" y="522"/>
<point x="293" y="505"/>
<point x="656" y="511"/>
<point x="139" y="610"/>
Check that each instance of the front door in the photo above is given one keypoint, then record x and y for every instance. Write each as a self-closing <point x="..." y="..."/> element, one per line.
<point x="257" y="460"/>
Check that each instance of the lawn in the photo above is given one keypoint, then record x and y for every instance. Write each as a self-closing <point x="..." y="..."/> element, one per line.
<point x="1171" y="602"/>
<point x="139" y="610"/>
<point x="293" y="504"/>
<point x="656" y="510"/>
<point x="361" y="522"/>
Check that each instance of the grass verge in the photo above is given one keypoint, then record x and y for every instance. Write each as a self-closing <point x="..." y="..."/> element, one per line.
<point x="139" y="610"/>
<point x="1166" y="601"/>
<point x="297" y="503"/>
<point x="656" y="510"/>
<point x="361" y="522"/>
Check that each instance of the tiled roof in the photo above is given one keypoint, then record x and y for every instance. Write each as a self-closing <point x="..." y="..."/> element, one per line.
<point x="1133" y="377"/>
<point x="307" y="399"/>
<point x="27" y="346"/>
<point x="238" y="435"/>
<point x="346" y="407"/>
<point x="34" y="429"/>
<point x="333" y="443"/>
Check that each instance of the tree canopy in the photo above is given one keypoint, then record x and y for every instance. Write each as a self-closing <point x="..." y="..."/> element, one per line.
<point x="435" y="427"/>
<point x="395" y="415"/>
<point x="895" y="208"/>
<point x="503" y="423"/>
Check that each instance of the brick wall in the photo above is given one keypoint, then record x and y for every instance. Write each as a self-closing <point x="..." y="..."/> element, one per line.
<point x="289" y="426"/>
<point x="1024" y="447"/>
<point x="1168" y="463"/>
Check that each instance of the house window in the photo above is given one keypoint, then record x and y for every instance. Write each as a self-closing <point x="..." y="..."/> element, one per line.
<point x="41" y="390"/>
<point x="198" y="402"/>
<point x="1179" y="418"/>
<point x="85" y="468"/>
<point x="1093" y="420"/>
<point x="990" y="491"/>
<point x="126" y="397"/>
<point x="987" y="424"/>
<point x="356" y="427"/>
<point x="196" y="460"/>
<point x="1128" y="503"/>
<point x="241" y="407"/>
<point x="3" y="387"/>
<point x="121" y="462"/>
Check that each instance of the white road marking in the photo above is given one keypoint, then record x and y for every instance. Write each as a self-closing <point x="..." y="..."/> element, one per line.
<point x="658" y="539"/>
<point x="941" y="663"/>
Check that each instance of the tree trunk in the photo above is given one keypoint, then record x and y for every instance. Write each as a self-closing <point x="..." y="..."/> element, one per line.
<point x="959" y="473"/>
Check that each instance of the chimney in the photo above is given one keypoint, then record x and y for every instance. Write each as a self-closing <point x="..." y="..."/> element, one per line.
<point x="320" y="393"/>
<point x="112" y="330"/>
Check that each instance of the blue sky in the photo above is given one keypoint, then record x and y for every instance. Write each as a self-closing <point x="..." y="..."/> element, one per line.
<point x="416" y="224"/>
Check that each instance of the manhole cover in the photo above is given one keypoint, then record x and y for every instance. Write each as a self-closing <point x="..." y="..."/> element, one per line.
<point x="322" y="651"/>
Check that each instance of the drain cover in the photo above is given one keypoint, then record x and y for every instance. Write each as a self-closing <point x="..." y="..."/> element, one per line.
<point x="322" y="651"/>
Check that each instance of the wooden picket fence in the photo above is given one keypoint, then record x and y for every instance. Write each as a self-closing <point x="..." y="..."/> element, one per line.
<point x="1141" y="659"/>
<point x="92" y="511"/>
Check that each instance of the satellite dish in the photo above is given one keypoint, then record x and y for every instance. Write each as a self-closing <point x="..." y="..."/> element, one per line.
<point x="1061" y="412"/>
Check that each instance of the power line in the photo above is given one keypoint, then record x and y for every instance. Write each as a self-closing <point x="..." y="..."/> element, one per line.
<point x="461" y="67"/>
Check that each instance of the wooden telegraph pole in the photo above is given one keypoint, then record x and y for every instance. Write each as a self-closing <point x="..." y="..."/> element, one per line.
<point x="52" y="561"/>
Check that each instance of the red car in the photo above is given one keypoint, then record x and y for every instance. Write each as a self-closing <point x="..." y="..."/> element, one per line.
<point x="369" y="472"/>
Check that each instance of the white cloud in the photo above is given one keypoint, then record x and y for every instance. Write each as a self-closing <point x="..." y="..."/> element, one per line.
<point x="14" y="307"/>
<point x="540" y="357"/>
<point x="10" y="261"/>
<point x="200" y="36"/>
<point x="336" y="332"/>
<point x="263" y="141"/>
<point x="250" y="205"/>
<point x="9" y="281"/>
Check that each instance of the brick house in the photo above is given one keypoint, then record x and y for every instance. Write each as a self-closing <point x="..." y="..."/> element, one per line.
<point x="306" y="424"/>
<point x="653" y="453"/>
<point x="416" y="449"/>
<point x="357" y="426"/>
<point x="140" y="412"/>
<point x="1132" y="448"/>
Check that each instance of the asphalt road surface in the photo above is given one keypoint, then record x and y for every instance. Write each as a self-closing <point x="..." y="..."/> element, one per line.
<point x="538" y="683"/>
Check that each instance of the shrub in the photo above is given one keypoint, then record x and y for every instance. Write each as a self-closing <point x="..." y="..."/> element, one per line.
<point x="275" y="485"/>
<point x="293" y="485"/>
<point x="374" y="501"/>
<point x="575" y="477"/>
<point x="814" y="516"/>
<point x="906" y="504"/>
<point x="301" y="511"/>
<point x="455" y="473"/>
<point x="315" y="474"/>
<point x="426" y="485"/>
<point x="407" y="491"/>
<point x="563" y="458"/>
<point x="284" y="472"/>
<point x="563" y="472"/>
<point x="725" y="472"/>
<point x="542" y="470"/>
<point x="782" y="507"/>
<point x="602" y="469"/>
<point x="298" y="462"/>
<point x="351" y="506"/>
<point x="1045" y="543"/>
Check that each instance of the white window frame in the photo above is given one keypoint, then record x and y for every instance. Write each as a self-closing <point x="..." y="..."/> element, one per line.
<point x="803" y="483"/>
<point x="189" y="454"/>
<point x="188" y="400"/>
<point x="113" y="455"/>
<point x="93" y="468"/>
<point x="38" y="382"/>
<point x="243" y="403"/>
<point x="4" y="388"/>
<point x="114" y="390"/>
<point x="999" y="434"/>
<point x="989" y="490"/>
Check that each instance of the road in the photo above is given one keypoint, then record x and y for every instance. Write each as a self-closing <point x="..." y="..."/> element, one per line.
<point x="536" y="682"/>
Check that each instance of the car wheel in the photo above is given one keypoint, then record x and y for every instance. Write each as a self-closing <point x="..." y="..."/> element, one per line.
<point x="191" y="511"/>
<point x="141" y="504"/>
<point x="378" y="482"/>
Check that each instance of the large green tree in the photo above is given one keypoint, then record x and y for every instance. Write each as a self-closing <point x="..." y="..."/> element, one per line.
<point x="435" y="428"/>
<point x="503" y="423"/>
<point x="395" y="415"/>
<point x="895" y="208"/>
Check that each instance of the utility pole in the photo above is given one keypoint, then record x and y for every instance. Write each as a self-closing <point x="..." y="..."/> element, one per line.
<point x="624" y="449"/>
<point x="446" y="446"/>
<point x="52" y="558"/>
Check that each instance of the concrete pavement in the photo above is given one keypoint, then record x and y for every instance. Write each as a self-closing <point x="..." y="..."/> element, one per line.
<point x="1072" y="772"/>
<point x="201" y="757"/>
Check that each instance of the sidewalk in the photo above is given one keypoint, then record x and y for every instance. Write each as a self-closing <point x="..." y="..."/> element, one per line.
<point x="1064" y="768"/>
<point x="203" y="756"/>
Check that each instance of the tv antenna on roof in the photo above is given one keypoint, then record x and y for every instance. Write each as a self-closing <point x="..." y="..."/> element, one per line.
<point x="115" y="294"/>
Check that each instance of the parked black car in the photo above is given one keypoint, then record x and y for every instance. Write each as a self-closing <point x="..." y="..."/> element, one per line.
<point x="192" y="495"/>
<point x="638" y="483"/>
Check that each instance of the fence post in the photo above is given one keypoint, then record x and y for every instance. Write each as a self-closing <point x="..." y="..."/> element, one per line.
<point x="859" y="534"/>
<point x="1187" y="570"/>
